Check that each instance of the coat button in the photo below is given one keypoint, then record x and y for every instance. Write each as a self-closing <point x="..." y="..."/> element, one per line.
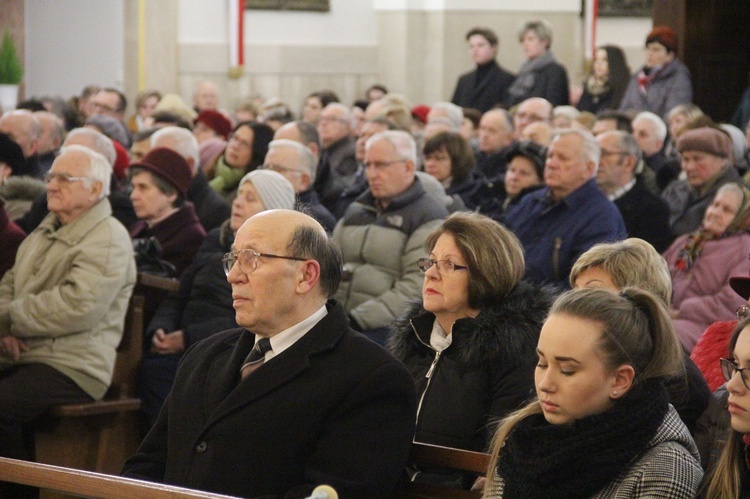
<point x="201" y="446"/>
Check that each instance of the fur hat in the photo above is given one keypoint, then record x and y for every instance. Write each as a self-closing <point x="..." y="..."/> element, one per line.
<point x="168" y="165"/>
<point x="109" y="126"/>
<point x="705" y="139"/>
<point x="664" y="35"/>
<point x="173" y="103"/>
<point x="215" y="121"/>
<point x="12" y="155"/>
<point x="530" y="150"/>
<point x="276" y="192"/>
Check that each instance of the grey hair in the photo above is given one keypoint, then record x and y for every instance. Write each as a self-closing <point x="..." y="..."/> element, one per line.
<point x="98" y="167"/>
<point x="183" y="142"/>
<point x="347" y="113"/>
<point x="541" y="28"/>
<point x="100" y="142"/>
<point x="401" y="141"/>
<point x="305" y="158"/>
<point x="659" y="126"/>
<point x="627" y="143"/>
<point x="454" y="115"/>
<point x="731" y="187"/>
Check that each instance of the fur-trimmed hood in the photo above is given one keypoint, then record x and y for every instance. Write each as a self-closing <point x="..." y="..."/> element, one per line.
<point x="505" y="332"/>
<point x="23" y="188"/>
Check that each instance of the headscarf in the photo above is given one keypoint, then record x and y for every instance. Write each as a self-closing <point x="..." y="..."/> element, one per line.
<point x="694" y="243"/>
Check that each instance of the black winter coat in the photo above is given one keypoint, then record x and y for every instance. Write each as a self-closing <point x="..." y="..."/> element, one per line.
<point x="486" y="372"/>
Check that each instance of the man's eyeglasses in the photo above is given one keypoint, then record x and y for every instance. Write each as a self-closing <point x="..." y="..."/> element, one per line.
<point x="445" y="267"/>
<point x="728" y="368"/>
<point x="281" y="169"/>
<point x="64" y="178"/>
<point x="743" y="312"/>
<point x="248" y="260"/>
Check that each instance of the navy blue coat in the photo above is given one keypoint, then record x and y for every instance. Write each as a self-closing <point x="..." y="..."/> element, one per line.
<point x="555" y="235"/>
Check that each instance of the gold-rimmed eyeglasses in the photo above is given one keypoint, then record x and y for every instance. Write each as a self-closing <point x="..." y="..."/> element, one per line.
<point x="248" y="260"/>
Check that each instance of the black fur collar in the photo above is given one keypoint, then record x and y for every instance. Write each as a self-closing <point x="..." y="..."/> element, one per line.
<point x="505" y="332"/>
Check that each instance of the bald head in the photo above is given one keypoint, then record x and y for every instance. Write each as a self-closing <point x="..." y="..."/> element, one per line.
<point x="24" y="129"/>
<point x="275" y="293"/>
<point x="531" y="110"/>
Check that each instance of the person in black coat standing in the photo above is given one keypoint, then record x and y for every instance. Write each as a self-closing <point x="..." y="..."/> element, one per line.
<point x="485" y="87"/>
<point x="322" y="405"/>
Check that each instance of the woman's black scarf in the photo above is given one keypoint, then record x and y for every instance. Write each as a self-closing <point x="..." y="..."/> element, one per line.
<point x="540" y="459"/>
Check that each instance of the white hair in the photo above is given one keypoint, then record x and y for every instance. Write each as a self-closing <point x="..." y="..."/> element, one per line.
<point x="401" y="141"/>
<point x="182" y="141"/>
<point x="590" y="150"/>
<point x="99" y="142"/>
<point x="305" y="158"/>
<point x="660" y="128"/>
<point x="454" y="115"/>
<point x="98" y="167"/>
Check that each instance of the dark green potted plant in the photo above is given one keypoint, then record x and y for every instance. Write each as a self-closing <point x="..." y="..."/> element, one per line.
<point x="11" y="73"/>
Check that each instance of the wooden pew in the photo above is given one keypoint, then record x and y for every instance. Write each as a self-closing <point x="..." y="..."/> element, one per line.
<point x="66" y="482"/>
<point x="446" y="457"/>
<point x="99" y="436"/>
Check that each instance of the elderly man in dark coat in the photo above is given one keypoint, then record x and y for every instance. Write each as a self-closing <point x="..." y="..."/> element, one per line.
<point x="295" y="398"/>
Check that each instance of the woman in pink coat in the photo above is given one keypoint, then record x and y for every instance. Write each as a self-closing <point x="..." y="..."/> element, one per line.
<point x="702" y="262"/>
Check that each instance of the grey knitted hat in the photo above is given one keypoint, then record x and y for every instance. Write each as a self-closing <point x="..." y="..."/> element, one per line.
<point x="274" y="189"/>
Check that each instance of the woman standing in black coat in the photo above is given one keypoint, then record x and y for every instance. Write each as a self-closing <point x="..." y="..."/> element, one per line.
<point x="470" y="343"/>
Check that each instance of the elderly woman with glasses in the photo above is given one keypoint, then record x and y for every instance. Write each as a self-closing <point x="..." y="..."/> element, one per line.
<point x="470" y="341"/>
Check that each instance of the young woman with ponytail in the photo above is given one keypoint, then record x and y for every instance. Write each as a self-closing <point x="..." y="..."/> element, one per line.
<point x="601" y="425"/>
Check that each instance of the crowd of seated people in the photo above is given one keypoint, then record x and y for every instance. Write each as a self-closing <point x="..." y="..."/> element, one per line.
<point x="459" y="244"/>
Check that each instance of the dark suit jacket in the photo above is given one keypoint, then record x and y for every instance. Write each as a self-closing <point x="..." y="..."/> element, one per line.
<point x="646" y="216"/>
<point x="491" y="91"/>
<point x="334" y="408"/>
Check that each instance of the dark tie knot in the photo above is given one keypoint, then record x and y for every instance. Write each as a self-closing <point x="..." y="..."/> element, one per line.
<point x="258" y="352"/>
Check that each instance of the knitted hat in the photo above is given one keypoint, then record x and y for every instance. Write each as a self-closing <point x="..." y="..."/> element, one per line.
<point x="276" y="192"/>
<point x="209" y="149"/>
<point x="420" y="112"/>
<point x="530" y="150"/>
<point x="168" y="165"/>
<point x="705" y="139"/>
<point x="11" y="154"/>
<point x="215" y="121"/>
<point x="664" y="35"/>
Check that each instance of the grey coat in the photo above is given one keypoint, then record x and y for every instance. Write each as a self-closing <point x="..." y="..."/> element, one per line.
<point x="671" y="86"/>
<point x="687" y="206"/>
<point x="380" y="251"/>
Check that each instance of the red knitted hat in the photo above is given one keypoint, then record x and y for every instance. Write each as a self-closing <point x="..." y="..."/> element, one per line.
<point x="664" y="35"/>
<point x="169" y="165"/>
<point x="215" y="121"/>
<point x="420" y="112"/>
